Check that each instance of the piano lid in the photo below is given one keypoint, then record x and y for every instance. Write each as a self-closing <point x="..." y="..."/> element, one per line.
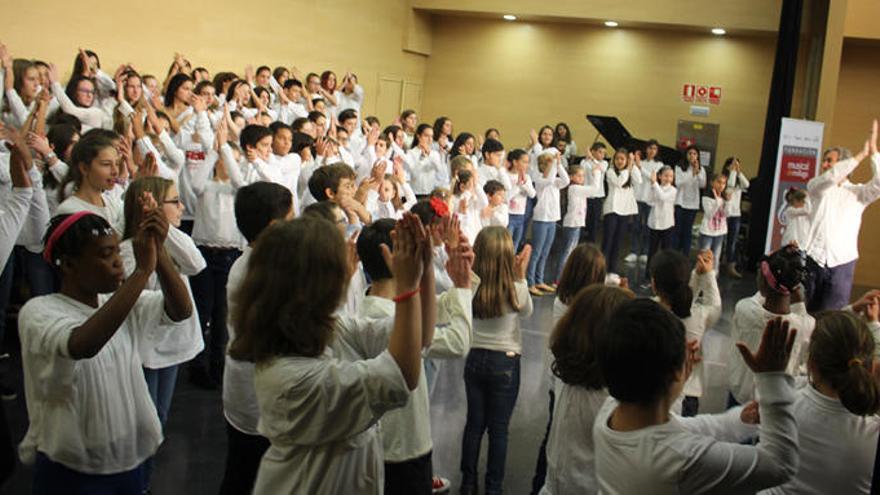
<point x="616" y="135"/>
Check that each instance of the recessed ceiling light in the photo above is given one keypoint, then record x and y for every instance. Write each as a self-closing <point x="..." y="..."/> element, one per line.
<point x="611" y="24"/>
<point x="509" y="17"/>
<point x="718" y="31"/>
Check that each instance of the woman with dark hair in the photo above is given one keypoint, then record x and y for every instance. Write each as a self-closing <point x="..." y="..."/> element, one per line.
<point x="178" y="96"/>
<point x="690" y="178"/>
<point x="737" y="183"/>
<point x="443" y="135"/>
<point x="80" y="100"/>
<point x="562" y="131"/>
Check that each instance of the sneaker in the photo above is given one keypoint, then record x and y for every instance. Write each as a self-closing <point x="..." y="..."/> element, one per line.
<point x="631" y="258"/>
<point x="535" y="291"/>
<point x="643" y="258"/>
<point x="4" y="355"/>
<point x="7" y="393"/>
<point x="440" y="484"/>
<point x="546" y="288"/>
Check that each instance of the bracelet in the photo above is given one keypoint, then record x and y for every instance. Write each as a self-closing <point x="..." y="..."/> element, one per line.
<point x="50" y="155"/>
<point x="406" y="295"/>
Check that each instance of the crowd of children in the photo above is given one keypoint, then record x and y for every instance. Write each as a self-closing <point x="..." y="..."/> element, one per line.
<point x="311" y="263"/>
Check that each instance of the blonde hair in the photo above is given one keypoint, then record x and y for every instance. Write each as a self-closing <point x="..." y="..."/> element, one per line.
<point x="544" y="161"/>
<point x="494" y="264"/>
<point x="459" y="163"/>
<point x="132" y="209"/>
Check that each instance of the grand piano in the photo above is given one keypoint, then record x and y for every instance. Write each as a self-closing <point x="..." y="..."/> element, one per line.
<point x="616" y="135"/>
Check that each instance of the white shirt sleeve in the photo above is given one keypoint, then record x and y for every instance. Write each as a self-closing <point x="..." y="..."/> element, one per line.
<point x="452" y="337"/>
<point x="13" y="213"/>
<point x="183" y="251"/>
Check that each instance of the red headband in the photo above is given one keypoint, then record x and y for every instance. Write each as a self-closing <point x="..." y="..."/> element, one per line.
<point x="771" y="279"/>
<point x="60" y="230"/>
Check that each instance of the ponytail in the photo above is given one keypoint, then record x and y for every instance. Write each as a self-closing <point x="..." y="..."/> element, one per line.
<point x="841" y="355"/>
<point x="671" y="274"/>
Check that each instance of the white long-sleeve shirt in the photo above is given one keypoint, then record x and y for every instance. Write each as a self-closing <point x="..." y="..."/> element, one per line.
<point x="406" y="432"/>
<point x="837" y="448"/>
<point x="749" y="320"/>
<point x="503" y="333"/>
<point x="692" y="455"/>
<point x="239" y="397"/>
<point x="320" y="413"/>
<point x="214" y="223"/>
<point x="797" y="225"/>
<point x="111" y="211"/>
<point x="838" y="205"/>
<point x="621" y="199"/>
<point x="13" y="213"/>
<point x="485" y="173"/>
<point x="688" y="186"/>
<point x="548" y="209"/>
<point x="643" y="189"/>
<point x="576" y="214"/>
<point x="714" y="221"/>
<point x="520" y="191"/>
<point x="425" y="170"/>
<point x="662" y="202"/>
<point x="589" y="163"/>
<point x="470" y="219"/>
<point x="736" y="184"/>
<point x="94" y="117"/>
<point x="705" y="312"/>
<point x="185" y="340"/>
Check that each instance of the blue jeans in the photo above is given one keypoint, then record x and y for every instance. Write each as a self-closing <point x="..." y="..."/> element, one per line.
<point x="640" y="236"/>
<point x="684" y="227"/>
<point x="160" y="384"/>
<point x="516" y="224"/>
<point x="37" y="273"/>
<point x="570" y="238"/>
<point x="733" y="224"/>
<point x="594" y="218"/>
<point x="828" y="288"/>
<point x="543" y="234"/>
<point x="713" y="242"/>
<point x="491" y="380"/>
<point x="51" y="477"/>
<point x="615" y="227"/>
<point x="209" y="293"/>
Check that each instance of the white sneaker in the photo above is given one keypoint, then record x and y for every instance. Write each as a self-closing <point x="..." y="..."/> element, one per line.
<point x="440" y="484"/>
<point x="643" y="258"/>
<point x="631" y="258"/>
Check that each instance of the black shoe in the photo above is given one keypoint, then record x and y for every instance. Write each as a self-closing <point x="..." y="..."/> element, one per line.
<point x="468" y="490"/>
<point x="7" y="393"/>
<point x="200" y="378"/>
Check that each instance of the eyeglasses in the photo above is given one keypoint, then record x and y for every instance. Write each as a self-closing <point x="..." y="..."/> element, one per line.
<point x="86" y="91"/>
<point x="174" y="201"/>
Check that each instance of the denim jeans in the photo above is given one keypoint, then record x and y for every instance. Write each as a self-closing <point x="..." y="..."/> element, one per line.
<point x="160" y="384"/>
<point x="543" y="234"/>
<point x="639" y="237"/>
<point x="209" y="293"/>
<point x="52" y="477"/>
<point x="733" y="224"/>
<point x="615" y="227"/>
<point x="594" y="218"/>
<point x="828" y="288"/>
<point x="713" y="242"/>
<point x="516" y="224"/>
<point x="491" y="380"/>
<point x="37" y="273"/>
<point x="684" y="228"/>
<point x="541" y="465"/>
<point x="661" y="240"/>
<point x="570" y="238"/>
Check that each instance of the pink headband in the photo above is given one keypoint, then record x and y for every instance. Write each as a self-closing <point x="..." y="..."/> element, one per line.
<point x="771" y="279"/>
<point x="59" y="231"/>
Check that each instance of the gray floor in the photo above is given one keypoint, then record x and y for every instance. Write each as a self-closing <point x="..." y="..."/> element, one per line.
<point x="191" y="461"/>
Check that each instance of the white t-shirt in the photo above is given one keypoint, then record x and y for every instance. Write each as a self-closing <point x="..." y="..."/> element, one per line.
<point x="797" y="225"/>
<point x="320" y="413"/>
<point x="503" y="332"/>
<point x="836" y="447"/>
<point x="111" y="211"/>
<point x="92" y="415"/>
<point x="662" y="202"/>
<point x="688" y="186"/>
<point x="519" y="193"/>
<point x="692" y="455"/>
<point x="239" y="397"/>
<point x="714" y="217"/>
<point x="705" y="312"/>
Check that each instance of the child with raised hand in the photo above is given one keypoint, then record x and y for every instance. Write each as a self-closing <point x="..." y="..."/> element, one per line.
<point x="162" y="357"/>
<point x="579" y="191"/>
<point x="406" y="432"/>
<point x="93" y="173"/>
<point x="496" y="212"/>
<point x="323" y="380"/>
<point x="492" y="368"/>
<point x="661" y="220"/>
<point x="713" y="228"/>
<point x="619" y="208"/>
<point x="693" y="296"/>
<point x="779" y="280"/>
<point x="836" y="412"/>
<point x="551" y="179"/>
<point x="256" y="207"/>
<point x="14" y="205"/>
<point x="596" y="157"/>
<point x="641" y="447"/>
<point x="796" y="218"/>
<point x="423" y="164"/>
<point x="521" y="190"/>
<point x="737" y="183"/>
<point x="690" y="178"/>
<point x="649" y="166"/>
<point x="580" y="389"/>
<point x="468" y="204"/>
<point x="92" y="423"/>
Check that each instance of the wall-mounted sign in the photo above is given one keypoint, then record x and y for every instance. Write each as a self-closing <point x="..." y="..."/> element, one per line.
<point x="696" y="93"/>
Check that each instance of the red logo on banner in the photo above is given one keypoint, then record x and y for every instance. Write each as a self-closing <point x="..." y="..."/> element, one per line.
<point x="715" y="95"/>
<point x="796" y="165"/>
<point x="687" y="92"/>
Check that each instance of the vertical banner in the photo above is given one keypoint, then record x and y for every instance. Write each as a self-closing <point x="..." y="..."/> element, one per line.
<point x="797" y="161"/>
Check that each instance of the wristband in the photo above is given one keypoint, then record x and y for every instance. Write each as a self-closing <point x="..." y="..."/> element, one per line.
<point x="406" y="295"/>
<point x="50" y="155"/>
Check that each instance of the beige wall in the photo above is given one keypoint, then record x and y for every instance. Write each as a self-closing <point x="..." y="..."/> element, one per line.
<point x="861" y="19"/>
<point x="518" y="76"/>
<point x="857" y="104"/>
<point x="365" y="37"/>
